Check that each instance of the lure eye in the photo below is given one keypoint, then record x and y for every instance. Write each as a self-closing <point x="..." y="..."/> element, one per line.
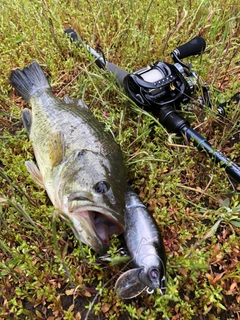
<point x="102" y="187"/>
<point x="154" y="274"/>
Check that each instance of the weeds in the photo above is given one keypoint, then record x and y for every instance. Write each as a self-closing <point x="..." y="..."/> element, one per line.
<point x="45" y="272"/>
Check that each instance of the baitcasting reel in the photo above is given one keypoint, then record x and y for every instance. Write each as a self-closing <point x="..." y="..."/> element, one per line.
<point x="162" y="83"/>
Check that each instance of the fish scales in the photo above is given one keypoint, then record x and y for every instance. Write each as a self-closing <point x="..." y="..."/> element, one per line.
<point x="78" y="163"/>
<point x="77" y="124"/>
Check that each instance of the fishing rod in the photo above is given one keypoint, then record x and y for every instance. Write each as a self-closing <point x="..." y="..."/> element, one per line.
<point x="161" y="87"/>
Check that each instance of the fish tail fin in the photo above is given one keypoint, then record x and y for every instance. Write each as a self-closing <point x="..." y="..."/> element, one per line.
<point x="29" y="80"/>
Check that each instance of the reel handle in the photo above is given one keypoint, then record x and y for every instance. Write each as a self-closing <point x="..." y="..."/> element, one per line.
<point x="195" y="46"/>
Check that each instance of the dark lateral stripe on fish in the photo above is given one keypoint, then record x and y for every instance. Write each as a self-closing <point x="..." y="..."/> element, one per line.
<point x="29" y="80"/>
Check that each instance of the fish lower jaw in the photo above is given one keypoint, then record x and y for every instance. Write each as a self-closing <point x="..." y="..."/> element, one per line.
<point x="94" y="228"/>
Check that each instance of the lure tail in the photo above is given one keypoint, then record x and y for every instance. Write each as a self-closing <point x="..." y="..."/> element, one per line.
<point x="29" y="81"/>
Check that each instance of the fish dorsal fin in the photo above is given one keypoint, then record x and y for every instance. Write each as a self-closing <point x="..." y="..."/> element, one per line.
<point x="128" y="284"/>
<point x="56" y="148"/>
<point x="74" y="101"/>
<point x="35" y="173"/>
<point x="27" y="119"/>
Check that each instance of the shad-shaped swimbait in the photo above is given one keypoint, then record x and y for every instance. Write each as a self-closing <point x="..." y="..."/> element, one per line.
<point x="145" y="245"/>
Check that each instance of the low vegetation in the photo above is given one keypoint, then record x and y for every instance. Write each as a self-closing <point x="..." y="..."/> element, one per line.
<point x="45" y="272"/>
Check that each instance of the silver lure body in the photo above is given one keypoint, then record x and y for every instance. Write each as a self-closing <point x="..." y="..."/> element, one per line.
<point x="144" y="241"/>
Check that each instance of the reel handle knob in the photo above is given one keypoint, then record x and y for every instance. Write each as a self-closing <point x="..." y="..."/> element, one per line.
<point x="195" y="46"/>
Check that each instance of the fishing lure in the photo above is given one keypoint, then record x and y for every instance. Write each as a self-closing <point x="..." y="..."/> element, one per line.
<point x="146" y="248"/>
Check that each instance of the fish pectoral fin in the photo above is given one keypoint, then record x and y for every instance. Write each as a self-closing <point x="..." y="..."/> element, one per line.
<point x="27" y="119"/>
<point x="128" y="284"/>
<point x="74" y="101"/>
<point x="56" y="148"/>
<point x="35" y="173"/>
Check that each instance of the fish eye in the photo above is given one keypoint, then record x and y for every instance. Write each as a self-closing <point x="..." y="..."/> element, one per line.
<point x="154" y="274"/>
<point x="102" y="187"/>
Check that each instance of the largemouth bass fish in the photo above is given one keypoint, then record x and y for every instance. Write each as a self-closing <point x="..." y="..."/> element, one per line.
<point x="78" y="163"/>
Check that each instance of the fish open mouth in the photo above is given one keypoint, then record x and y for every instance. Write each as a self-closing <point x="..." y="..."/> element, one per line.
<point x="104" y="227"/>
<point x="102" y="224"/>
<point x="93" y="224"/>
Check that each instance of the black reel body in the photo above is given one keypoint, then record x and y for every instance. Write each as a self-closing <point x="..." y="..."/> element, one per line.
<point x="160" y="84"/>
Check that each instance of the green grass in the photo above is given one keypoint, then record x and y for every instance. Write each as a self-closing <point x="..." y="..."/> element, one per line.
<point x="45" y="272"/>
